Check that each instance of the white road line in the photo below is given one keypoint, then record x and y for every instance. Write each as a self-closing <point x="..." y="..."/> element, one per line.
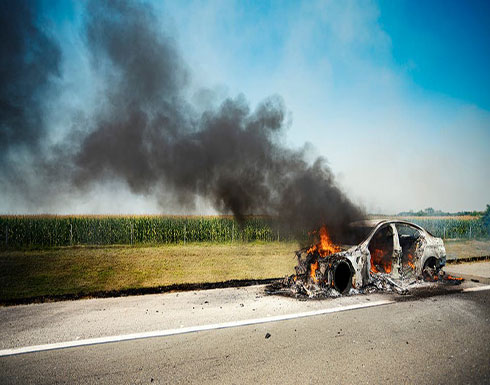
<point x="477" y="288"/>
<point x="192" y="329"/>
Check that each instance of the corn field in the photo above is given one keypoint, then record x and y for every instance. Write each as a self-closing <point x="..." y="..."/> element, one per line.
<point x="49" y="231"/>
<point x="451" y="228"/>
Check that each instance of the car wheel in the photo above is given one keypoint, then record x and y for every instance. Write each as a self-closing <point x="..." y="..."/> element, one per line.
<point x="430" y="272"/>
<point x="342" y="277"/>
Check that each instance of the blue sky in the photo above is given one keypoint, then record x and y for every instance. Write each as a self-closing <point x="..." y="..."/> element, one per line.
<point x="395" y="94"/>
<point x="443" y="45"/>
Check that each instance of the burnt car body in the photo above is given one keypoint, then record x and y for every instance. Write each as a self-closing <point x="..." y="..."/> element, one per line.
<point x="394" y="254"/>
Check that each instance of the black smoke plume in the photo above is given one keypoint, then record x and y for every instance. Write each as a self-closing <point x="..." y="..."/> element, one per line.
<point x="29" y="61"/>
<point x="147" y="133"/>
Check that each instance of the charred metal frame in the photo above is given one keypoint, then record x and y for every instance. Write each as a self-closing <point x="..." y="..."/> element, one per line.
<point x="352" y="268"/>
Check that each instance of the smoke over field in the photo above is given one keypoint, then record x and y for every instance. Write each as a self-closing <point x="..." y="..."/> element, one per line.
<point x="29" y="62"/>
<point x="146" y="132"/>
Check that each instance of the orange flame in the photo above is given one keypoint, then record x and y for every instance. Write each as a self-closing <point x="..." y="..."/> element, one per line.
<point x="325" y="246"/>
<point x="454" y="278"/>
<point x="313" y="269"/>
<point x="410" y="259"/>
<point x="379" y="261"/>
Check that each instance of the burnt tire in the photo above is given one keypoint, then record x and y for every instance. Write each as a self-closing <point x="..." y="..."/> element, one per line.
<point x="342" y="277"/>
<point x="431" y="270"/>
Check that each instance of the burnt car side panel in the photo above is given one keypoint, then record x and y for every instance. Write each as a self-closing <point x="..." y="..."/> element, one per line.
<point x="360" y="258"/>
<point x="393" y="256"/>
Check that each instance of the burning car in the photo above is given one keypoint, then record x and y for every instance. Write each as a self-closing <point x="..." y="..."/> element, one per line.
<point x="393" y="255"/>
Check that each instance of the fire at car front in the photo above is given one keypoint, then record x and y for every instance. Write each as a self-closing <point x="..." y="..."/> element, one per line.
<point x="324" y="268"/>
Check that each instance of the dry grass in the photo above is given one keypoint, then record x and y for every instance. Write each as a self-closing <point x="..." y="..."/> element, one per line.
<point x="457" y="217"/>
<point x="78" y="270"/>
<point x="434" y="217"/>
<point x="467" y="248"/>
<point x="88" y="269"/>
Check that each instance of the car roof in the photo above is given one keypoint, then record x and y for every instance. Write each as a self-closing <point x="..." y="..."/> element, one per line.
<point x="391" y="221"/>
<point x="402" y="222"/>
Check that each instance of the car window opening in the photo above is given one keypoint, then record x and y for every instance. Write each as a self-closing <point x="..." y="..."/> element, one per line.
<point x="381" y="250"/>
<point x="409" y="242"/>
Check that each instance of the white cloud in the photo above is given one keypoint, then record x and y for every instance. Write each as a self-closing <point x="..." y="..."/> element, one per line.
<point x="394" y="146"/>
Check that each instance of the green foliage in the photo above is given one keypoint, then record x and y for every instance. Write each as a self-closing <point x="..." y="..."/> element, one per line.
<point x="453" y="227"/>
<point x="52" y="231"/>
<point x="48" y="231"/>
<point x="430" y="212"/>
<point x="486" y="219"/>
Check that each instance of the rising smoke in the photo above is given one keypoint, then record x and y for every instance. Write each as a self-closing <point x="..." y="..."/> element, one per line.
<point x="146" y="132"/>
<point x="29" y="61"/>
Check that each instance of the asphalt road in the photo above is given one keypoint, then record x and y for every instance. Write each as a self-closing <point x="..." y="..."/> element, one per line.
<point x="433" y="337"/>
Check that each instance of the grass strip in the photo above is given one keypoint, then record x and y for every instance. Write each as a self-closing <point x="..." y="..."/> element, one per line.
<point x="86" y="271"/>
<point x="74" y="272"/>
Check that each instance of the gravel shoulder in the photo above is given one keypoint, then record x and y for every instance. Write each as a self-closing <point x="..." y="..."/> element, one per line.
<point x="476" y="271"/>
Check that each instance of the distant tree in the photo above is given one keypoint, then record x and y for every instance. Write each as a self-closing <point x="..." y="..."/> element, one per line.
<point x="432" y="212"/>
<point x="486" y="219"/>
